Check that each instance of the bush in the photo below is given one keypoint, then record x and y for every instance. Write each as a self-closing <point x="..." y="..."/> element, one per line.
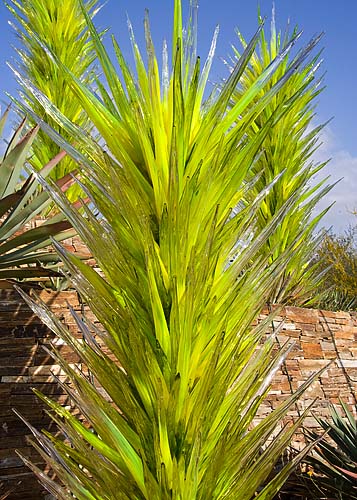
<point x="337" y="258"/>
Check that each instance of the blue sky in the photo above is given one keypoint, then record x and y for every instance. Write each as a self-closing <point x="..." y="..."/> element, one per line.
<point x="338" y="101"/>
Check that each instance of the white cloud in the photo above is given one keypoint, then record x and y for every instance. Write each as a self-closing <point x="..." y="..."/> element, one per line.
<point x="341" y="166"/>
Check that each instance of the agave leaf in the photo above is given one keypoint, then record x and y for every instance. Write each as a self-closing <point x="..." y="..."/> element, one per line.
<point x="16" y="136"/>
<point x="36" y="234"/>
<point x="13" y="163"/>
<point x="3" y="119"/>
<point x="31" y="273"/>
<point x="9" y="201"/>
<point x="351" y="419"/>
<point x="22" y="254"/>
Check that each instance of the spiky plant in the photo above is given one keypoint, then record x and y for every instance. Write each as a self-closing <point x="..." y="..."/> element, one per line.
<point x="185" y="373"/>
<point x="335" y="457"/>
<point x="61" y="27"/>
<point x="23" y="253"/>
<point x="286" y="152"/>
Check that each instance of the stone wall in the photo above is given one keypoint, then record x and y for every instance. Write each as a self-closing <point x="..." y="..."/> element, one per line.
<point x="25" y="365"/>
<point x="319" y="337"/>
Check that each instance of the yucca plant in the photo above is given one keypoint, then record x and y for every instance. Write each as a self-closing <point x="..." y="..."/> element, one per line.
<point x="61" y="27"/>
<point x="334" y="459"/>
<point x="287" y="153"/>
<point x="23" y="253"/>
<point x="170" y="413"/>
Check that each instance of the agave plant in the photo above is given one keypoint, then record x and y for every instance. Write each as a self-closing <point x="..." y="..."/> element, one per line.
<point x="334" y="459"/>
<point x="286" y="152"/>
<point x="61" y="27"/>
<point x="170" y="414"/>
<point x="23" y="253"/>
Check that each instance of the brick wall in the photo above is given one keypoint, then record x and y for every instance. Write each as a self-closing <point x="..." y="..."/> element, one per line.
<point x="319" y="337"/>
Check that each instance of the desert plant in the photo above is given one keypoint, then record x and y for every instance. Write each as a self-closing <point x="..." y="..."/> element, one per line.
<point x="170" y="415"/>
<point x="334" y="459"/>
<point x="287" y="153"/>
<point x="336" y="259"/>
<point x="60" y="26"/>
<point x="23" y="253"/>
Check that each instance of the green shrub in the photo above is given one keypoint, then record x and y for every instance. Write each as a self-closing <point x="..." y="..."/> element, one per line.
<point x="336" y="259"/>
